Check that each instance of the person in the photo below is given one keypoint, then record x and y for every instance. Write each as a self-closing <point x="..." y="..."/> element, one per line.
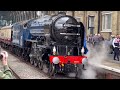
<point x="70" y="52"/>
<point x="115" y="44"/>
<point x="7" y="73"/>
<point x="96" y="39"/>
<point x="96" y="43"/>
<point x="100" y="37"/>
<point x="110" y="44"/>
<point x="90" y="39"/>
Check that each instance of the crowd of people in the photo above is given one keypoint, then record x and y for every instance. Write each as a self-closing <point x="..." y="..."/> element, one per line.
<point x="113" y="44"/>
<point x="95" y="40"/>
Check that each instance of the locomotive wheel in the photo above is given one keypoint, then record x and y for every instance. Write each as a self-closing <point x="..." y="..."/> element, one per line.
<point x="35" y="63"/>
<point x="19" y="53"/>
<point x="31" y="61"/>
<point x="40" y="65"/>
<point x="26" y="58"/>
<point x="23" y="55"/>
<point x="78" y="72"/>
<point x="51" y="70"/>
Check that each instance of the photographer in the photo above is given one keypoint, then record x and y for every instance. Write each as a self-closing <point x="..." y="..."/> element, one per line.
<point x="7" y="73"/>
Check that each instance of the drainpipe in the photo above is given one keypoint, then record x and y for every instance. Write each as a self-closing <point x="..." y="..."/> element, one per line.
<point x="118" y="22"/>
<point x="98" y="22"/>
<point x="85" y="21"/>
<point x="73" y="13"/>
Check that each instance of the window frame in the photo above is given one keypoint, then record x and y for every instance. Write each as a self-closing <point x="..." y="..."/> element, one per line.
<point x="104" y="13"/>
<point x="89" y="16"/>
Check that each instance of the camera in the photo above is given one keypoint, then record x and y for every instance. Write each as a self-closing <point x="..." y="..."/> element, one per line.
<point x="1" y="56"/>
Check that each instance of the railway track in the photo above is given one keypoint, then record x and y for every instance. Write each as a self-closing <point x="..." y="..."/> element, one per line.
<point x="14" y="74"/>
<point x="107" y="72"/>
<point x="17" y="77"/>
<point x="57" y="76"/>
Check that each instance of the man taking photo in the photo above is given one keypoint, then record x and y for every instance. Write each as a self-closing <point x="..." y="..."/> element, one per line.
<point x="7" y="73"/>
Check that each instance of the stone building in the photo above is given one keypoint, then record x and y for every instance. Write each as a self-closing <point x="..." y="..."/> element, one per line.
<point x="105" y="22"/>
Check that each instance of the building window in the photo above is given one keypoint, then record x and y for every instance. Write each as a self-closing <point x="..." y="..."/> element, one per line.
<point x="106" y="22"/>
<point x="91" y="24"/>
<point x="91" y="21"/>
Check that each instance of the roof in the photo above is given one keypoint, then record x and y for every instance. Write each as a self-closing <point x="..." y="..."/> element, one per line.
<point x="5" y="27"/>
<point x="21" y="23"/>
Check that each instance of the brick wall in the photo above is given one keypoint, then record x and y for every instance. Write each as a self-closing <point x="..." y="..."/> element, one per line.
<point x="114" y="23"/>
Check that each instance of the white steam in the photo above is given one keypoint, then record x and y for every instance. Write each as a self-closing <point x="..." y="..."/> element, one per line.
<point x="96" y="56"/>
<point x="89" y="73"/>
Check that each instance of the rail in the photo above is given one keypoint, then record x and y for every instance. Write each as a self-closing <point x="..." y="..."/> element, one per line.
<point x="14" y="74"/>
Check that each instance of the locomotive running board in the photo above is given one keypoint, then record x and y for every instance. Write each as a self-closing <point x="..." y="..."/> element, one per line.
<point x="69" y="34"/>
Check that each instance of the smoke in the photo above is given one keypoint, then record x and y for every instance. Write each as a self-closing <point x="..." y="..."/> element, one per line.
<point x="89" y="73"/>
<point x="96" y="56"/>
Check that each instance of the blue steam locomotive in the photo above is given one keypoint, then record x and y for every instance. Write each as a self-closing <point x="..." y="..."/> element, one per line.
<point x="57" y="41"/>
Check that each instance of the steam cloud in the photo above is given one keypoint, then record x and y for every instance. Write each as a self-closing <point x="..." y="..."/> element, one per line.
<point x="96" y="56"/>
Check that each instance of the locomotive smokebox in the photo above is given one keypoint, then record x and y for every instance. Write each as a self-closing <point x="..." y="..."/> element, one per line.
<point x="65" y="29"/>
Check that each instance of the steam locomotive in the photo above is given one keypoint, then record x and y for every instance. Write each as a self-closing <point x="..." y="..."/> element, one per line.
<point x="56" y="41"/>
